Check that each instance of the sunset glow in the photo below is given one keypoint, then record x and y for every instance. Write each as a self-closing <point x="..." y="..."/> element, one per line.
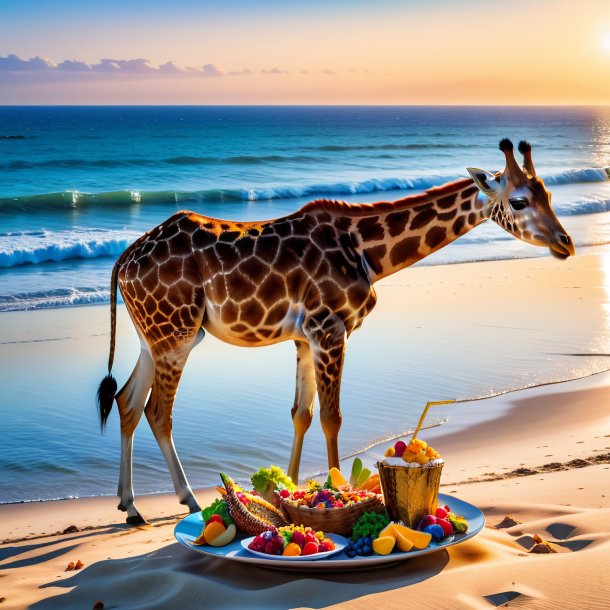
<point x="267" y="52"/>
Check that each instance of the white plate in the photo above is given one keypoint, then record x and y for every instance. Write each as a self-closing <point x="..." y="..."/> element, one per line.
<point x="340" y="544"/>
<point x="187" y="531"/>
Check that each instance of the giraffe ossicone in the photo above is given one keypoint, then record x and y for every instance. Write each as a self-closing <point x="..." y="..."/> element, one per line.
<point x="307" y="277"/>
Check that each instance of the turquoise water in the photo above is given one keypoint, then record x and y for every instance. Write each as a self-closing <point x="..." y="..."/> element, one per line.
<point x="78" y="184"/>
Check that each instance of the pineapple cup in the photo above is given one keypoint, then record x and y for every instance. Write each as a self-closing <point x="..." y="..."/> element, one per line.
<point x="410" y="492"/>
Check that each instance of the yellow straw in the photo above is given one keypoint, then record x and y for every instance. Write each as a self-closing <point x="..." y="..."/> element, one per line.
<point x="430" y="403"/>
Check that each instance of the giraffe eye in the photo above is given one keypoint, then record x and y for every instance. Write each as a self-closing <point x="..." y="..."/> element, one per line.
<point x="518" y="203"/>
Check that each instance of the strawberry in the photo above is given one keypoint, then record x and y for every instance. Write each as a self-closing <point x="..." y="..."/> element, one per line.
<point x="311" y="548"/>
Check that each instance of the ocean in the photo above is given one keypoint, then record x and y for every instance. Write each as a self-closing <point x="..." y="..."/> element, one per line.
<point x="79" y="184"/>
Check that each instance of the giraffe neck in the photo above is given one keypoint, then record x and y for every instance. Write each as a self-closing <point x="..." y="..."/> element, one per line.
<point x="398" y="234"/>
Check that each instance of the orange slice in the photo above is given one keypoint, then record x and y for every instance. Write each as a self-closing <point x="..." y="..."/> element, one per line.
<point x="420" y="540"/>
<point x="384" y="545"/>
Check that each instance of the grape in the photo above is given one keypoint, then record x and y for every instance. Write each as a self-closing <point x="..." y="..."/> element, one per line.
<point x="369" y="525"/>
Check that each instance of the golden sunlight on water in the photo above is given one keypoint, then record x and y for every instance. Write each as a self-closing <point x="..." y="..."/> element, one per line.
<point x="601" y="139"/>
<point x="605" y="303"/>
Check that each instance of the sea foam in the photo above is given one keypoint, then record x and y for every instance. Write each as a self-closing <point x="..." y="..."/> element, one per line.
<point x="77" y="199"/>
<point x="34" y="247"/>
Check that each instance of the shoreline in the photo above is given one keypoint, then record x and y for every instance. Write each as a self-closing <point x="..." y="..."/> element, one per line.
<point x="449" y="442"/>
<point x="434" y="430"/>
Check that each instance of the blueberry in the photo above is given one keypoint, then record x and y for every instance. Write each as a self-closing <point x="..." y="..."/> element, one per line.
<point x="367" y="550"/>
<point x="436" y="531"/>
<point x="368" y="541"/>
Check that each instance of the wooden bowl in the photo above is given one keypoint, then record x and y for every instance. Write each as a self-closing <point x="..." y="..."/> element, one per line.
<point x="336" y="520"/>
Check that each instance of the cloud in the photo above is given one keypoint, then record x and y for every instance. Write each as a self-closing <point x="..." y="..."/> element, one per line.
<point x="212" y="70"/>
<point x="131" y="66"/>
<point x="328" y="71"/>
<point x="73" y="66"/>
<point x="15" y="69"/>
<point x="244" y="72"/>
<point x="12" y="63"/>
<point x="169" y="67"/>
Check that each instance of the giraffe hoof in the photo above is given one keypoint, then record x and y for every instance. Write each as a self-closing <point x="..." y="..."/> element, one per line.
<point x="136" y="520"/>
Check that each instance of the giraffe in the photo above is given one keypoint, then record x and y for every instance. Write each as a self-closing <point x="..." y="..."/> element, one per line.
<point x="308" y="277"/>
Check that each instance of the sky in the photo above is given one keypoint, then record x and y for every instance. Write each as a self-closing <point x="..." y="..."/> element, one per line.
<point x="313" y="52"/>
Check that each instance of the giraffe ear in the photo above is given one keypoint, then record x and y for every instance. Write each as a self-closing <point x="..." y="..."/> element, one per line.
<point x="484" y="180"/>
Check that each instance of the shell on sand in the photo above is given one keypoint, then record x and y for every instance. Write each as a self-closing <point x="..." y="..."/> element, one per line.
<point x="410" y="493"/>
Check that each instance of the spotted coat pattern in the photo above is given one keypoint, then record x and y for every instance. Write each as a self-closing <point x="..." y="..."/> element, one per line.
<point x="307" y="277"/>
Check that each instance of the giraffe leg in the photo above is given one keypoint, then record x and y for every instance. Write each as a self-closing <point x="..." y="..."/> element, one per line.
<point x="302" y="411"/>
<point x="169" y="365"/>
<point x="328" y="341"/>
<point x="131" y="400"/>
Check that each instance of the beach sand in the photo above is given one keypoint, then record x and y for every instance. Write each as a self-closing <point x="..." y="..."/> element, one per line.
<point x="541" y="455"/>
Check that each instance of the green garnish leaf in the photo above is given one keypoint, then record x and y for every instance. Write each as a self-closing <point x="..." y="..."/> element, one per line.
<point x="271" y="479"/>
<point x="356" y="470"/>
<point x="364" y="475"/>
<point x="218" y="507"/>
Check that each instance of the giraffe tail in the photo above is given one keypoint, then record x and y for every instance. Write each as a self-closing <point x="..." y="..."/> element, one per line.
<point x="108" y="386"/>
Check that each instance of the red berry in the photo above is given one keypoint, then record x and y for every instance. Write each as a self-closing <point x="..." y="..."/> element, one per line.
<point x="447" y="508"/>
<point x="310" y="537"/>
<point x="399" y="448"/>
<point x="285" y="493"/>
<point x="447" y="527"/>
<point x="441" y="513"/>
<point x="258" y="544"/>
<point x="426" y="521"/>
<point x="310" y="548"/>
<point x="275" y="546"/>
<point x="298" y="538"/>
<point x="216" y="518"/>
<point x="323" y="547"/>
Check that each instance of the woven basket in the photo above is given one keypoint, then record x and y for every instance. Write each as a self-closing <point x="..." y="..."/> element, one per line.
<point x="336" y="520"/>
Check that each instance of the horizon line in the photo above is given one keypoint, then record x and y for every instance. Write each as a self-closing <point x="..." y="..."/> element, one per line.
<point x="461" y="105"/>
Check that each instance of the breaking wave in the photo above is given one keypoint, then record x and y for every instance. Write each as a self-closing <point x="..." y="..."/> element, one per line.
<point x="34" y="247"/>
<point x="77" y="199"/>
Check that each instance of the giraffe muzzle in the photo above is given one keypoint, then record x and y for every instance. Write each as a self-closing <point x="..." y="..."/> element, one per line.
<point x="562" y="247"/>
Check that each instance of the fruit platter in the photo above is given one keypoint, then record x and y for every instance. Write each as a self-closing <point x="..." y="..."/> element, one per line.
<point x="368" y="520"/>
<point x="361" y="553"/>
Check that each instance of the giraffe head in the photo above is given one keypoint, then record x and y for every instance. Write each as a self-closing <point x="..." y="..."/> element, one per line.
<point x="519" y="202"/>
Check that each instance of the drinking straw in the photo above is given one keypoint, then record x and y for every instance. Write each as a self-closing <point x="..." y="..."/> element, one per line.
<point x="430" y="403"/>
